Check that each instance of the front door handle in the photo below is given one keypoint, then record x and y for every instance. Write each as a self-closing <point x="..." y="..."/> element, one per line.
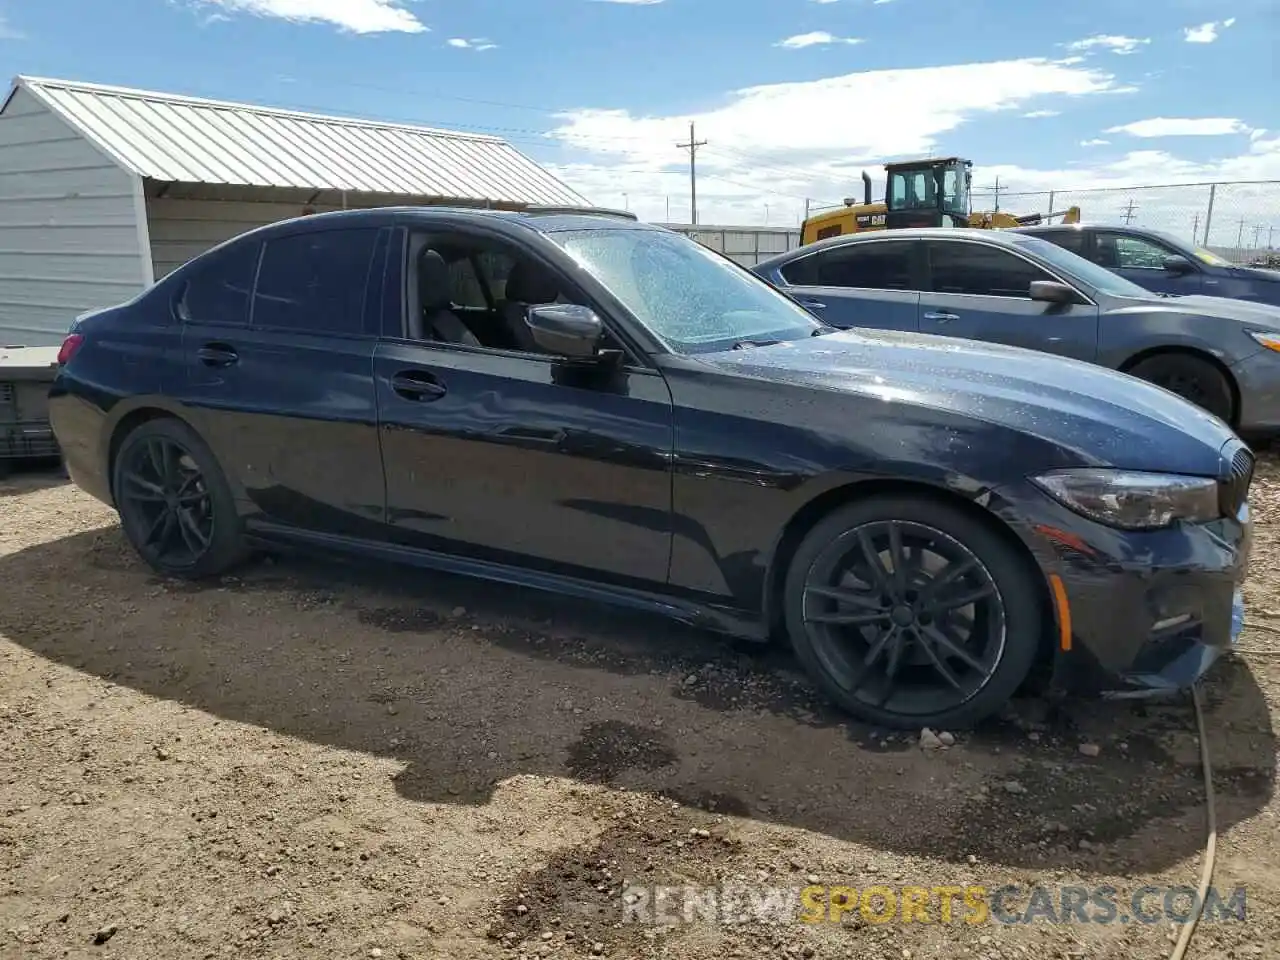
<point x="416" y="385"/>
<point x="816" y="304"/>
<point x="942" y="317"/>
<point x="217" y="355"/>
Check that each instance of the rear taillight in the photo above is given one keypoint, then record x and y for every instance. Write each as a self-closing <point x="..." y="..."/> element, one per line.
<point x="69" y="348"/>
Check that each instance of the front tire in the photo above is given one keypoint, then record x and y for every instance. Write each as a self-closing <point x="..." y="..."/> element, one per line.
<point x="175" y="506"/>
<point x="909" y="613"/>
<point x="1191" y="378"/>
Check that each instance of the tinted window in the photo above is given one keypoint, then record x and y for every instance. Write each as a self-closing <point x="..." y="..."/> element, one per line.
<point x="1121" y="251"/>
<point x="315" y="281"/>
<point x="802" y="272"/>
<point x="885" y="266"/>
<point x="976" y="268"/>
<point x="218" y="290"/>
<point x="1072" y="240"/>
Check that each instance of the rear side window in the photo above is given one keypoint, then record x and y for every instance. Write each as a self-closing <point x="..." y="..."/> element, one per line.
<point x="982" y="270"/>
<point x="315" y="282"/>
<point x="879" y="266"/>
<point x="1072" y="240"/>
<point x="218" y="289"/>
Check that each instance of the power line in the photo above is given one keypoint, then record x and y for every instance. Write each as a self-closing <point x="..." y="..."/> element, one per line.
<point x="1129" y="212"/>
<point x="692" y="146"/>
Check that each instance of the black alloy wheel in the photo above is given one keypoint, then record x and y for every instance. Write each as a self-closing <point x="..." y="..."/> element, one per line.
<point x="910" y="617"/>
<point x="174" y="503"/>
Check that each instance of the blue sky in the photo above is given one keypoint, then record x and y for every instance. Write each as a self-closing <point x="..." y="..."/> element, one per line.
<point x="795" y="96"/>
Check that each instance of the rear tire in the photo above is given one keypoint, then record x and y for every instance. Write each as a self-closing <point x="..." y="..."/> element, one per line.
<point x="1192" y="379"/>
<point x="175" y="505"/>
<point x="956" y="662"/>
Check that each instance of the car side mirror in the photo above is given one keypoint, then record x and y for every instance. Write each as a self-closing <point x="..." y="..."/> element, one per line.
<point x="1177" y="264"/>
<point x="1051" y="291"/>
<point x="566" y="329"/>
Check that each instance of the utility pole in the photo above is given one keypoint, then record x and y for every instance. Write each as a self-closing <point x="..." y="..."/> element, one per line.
<point x="806" y="209"/>
<point x="1271" y="234"/>
<point x="1128" y="212"/>
<point x="1257" y="235"/>
<point x="1195" y="229"/>
<point x="1240" y="236"/>
<point x="766" y="214"/>
<point x="995" y="203"/>
<point x="692" y="146"/>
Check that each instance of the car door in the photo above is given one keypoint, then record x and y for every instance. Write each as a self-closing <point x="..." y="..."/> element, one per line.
<point x="519" y="458"/>
<point x="278" y="346"/>
<point x="981" y="291"/>
<point x="867" y="283"/>
<point x="1142" y="260"/>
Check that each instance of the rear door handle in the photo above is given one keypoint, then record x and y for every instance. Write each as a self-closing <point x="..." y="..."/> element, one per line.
<point x="416" y="385"/>
<point x="217" y="355"/>
<point x="942" y="317"/>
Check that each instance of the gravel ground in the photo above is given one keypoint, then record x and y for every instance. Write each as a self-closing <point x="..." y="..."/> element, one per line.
<point x="325" y="760"/>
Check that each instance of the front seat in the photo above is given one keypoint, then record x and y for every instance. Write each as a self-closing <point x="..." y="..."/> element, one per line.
<point x="438" y="321"/>
<point x="527" y="285"/>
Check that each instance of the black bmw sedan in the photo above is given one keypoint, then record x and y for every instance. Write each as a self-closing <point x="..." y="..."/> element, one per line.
<point x="582" y="403"/>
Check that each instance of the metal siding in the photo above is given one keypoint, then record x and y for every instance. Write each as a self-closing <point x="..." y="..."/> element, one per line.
<point x="68" y="234"/>
<point x="181" y="139"/>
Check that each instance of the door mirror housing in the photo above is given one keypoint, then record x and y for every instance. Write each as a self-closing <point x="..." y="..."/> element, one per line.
<point x="1177" y="263"/>
<point x="1051" y="291"/>
<point x="566" y="329"/>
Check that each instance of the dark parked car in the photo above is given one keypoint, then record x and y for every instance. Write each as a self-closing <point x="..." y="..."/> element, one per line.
<point x="1008" y="287"/>
<point x="1162" y="263"/>
<point x="594" y="406"/>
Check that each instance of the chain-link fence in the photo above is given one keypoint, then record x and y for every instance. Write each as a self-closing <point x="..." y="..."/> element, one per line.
<point x="1239" y="221"/>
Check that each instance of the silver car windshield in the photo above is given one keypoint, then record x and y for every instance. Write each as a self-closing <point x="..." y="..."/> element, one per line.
<point x="693" y="299"/>
<point x="1078" y="268"/>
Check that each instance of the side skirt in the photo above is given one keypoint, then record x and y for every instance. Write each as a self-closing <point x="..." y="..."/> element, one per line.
<point x="724" y="620"/>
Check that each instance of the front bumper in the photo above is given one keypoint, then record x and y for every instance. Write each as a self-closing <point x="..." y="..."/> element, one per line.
<point x="1149" y="612"/>
<point x="1258" y="380"/>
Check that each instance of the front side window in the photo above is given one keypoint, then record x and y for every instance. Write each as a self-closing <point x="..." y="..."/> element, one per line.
<point x="912" y="190"/>
<point x="1121" y="251"/>
<point x="981" y="270"/>
<point x="219" y="287"/>
<point x="694" y="300"/>
<point x="315" y="282"/>
<point x="879" y="265"/>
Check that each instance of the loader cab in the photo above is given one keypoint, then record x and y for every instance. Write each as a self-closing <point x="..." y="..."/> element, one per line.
<point x="928" y="193"/>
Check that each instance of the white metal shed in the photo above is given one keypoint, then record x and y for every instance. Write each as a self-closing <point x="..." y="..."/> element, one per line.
<point x="104" y="190"/>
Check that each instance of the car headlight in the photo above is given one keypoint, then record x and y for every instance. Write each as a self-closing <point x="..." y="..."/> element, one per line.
<point x="1133" y="499"/>
<point x="1269" y="340"/>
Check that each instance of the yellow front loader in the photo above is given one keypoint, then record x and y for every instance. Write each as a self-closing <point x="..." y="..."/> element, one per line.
<point x="933" y="192"/>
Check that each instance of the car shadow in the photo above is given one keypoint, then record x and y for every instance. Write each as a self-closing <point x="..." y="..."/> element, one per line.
<point x="468" y="684"/>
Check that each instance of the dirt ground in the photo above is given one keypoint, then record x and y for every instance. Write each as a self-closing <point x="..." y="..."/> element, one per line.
<point x="322" y="760"/>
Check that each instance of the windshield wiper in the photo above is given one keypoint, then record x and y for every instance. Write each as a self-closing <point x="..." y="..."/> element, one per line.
<point x="747" y="344"/>
<point x="823" y="331"/>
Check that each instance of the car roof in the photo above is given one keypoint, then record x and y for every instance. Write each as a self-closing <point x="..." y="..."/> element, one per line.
<point x="542" y="220"/>
<point x="996" y="238"/>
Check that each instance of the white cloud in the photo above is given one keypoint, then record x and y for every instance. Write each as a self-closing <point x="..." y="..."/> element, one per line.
<point x="1181" y="127"/>
<point x="817" y="38"/>
<point x="8" y="31"/>
<point x="775" y="144"/>
<point x="1206" y="32"/>
<point x="1037" y="114"/>
<point x="1116" y="44"/>
<point x="1094" y="143"/>
<point x="479" y="44"/>
<point x="357" y="16"/>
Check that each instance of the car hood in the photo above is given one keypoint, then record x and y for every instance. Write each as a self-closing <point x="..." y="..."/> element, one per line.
<point x="1103" y="417"/>
<point x="1219" y="308"/>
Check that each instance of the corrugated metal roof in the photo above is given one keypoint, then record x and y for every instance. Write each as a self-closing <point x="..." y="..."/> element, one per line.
<point x="186" y="140"/>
